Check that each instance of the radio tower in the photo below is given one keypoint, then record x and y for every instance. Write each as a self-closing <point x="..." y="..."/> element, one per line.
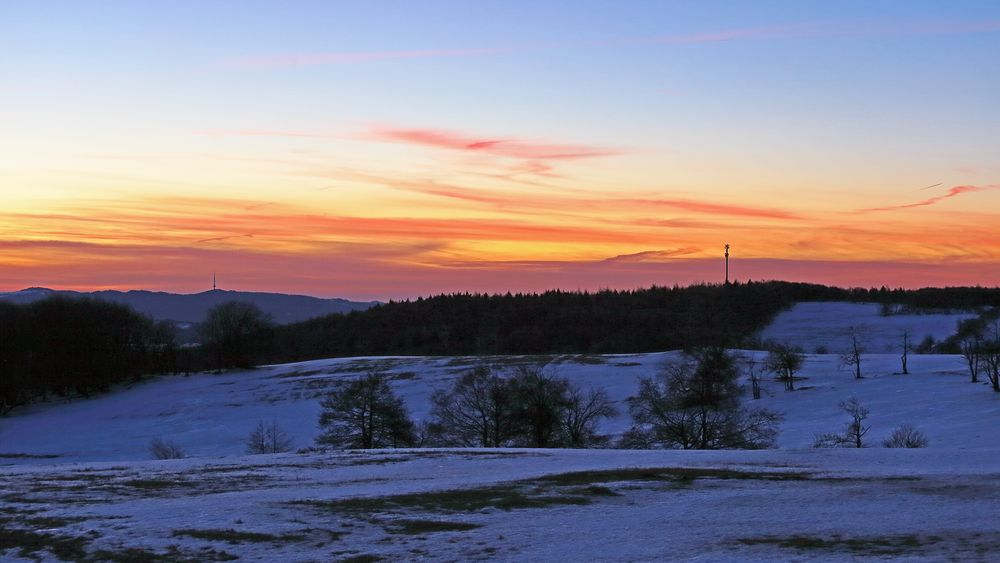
<point x="213" y="273"/>
<point x="727" y="264"/>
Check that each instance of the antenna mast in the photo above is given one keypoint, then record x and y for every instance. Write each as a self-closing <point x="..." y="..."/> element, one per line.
<point x="727" y="264"/>
<point x="213" y="275"/>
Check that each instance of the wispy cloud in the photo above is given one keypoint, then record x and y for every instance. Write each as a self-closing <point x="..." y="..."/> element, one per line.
<point x="697" y="206"/>
<point x="952" y="192"/>
<point x="652" y="255"/>
<point x="222" y="238"/>
<point x="504" y="147"/>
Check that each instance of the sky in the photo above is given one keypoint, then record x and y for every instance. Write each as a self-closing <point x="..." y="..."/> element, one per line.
<point x="393" y="149"/>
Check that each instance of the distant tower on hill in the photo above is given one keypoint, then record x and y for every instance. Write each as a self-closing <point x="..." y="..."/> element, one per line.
<point x="213" y="276"/>
<point x="727" y="264"/>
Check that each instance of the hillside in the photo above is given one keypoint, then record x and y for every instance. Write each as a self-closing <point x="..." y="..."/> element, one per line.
<point x="191" y="308"/>
<point x="68" y="469"/>
<point x="826" y="325"/>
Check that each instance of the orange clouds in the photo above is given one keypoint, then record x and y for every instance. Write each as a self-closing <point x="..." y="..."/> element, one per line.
<point x="709" y="208"/>
<point x="382" y="271"/>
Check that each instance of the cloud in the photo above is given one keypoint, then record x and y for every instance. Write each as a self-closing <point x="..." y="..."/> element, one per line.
<point x="706" y="207"/>
<point x="313" y="59"/>
<point x="227" y="237"/>
<point x="508" y="148"/>
<point x="952" y="192"/>
<point x="651" y="255"/>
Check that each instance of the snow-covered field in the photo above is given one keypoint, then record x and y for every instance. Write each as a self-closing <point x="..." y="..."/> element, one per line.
<point x="75" y="478"/>
<point x="827" y="325"/>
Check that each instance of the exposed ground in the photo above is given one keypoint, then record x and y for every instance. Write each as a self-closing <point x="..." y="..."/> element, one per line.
<point x="524" y="505"/>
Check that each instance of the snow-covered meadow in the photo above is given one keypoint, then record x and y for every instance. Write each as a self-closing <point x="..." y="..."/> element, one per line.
<point x="76" y="480"/>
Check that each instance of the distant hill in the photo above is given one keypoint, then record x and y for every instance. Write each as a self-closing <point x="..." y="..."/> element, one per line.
<point x="191" y="308"/>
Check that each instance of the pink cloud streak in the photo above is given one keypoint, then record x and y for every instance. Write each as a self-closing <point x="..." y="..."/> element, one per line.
<point x="510" y="148"/>
<point x="952" y="192"/>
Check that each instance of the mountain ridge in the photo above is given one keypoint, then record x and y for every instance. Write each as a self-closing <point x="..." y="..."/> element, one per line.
<point x="192" y="307"/>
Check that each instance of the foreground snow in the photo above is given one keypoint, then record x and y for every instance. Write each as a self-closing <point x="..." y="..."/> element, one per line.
<point x="919" y="505"/>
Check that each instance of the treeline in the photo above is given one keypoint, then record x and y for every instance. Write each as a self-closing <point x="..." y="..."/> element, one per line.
<point x="61" y="346"/>
<point x="658" y="318"/>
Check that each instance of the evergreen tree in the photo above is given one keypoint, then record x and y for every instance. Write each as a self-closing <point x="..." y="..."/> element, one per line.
<point x="694" y="403"/>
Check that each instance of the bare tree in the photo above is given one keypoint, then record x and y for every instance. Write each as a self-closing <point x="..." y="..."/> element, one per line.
<point x="477" y="411"/>
<point x="854" y="432"/>
<point x="694" y="403"/>
<point x="581" y="415"/>
<point x="365" y="413"/>
<point x="755" y="373"/>
<point x="268" y="439"/>
<point x="539" y="403"/>
<point x="165" y="449"/>
<point x="990" y="357"/>
<point x="906" y="346"/>
<point x="906" y="436"/>
<point x="784" y="361"/>
<point x="852" y="358"/>
<point x="971" y="347"/>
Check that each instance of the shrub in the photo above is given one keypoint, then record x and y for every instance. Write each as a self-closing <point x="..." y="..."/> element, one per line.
<point x="906" y="436"/>
<point x="268" y="439"/>
<point x="165" y="449"/>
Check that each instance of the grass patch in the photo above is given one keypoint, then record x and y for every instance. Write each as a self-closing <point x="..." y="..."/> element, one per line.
<point x="428" y="526"/>
<point x="595" y="491"/>
<point x="230" y="535"/>
<point x="670" y="474"/>
<point x="455" y="500"/>
<point x="150" y="484"/>
<point x="532" y="493"/>
<point x="173" y="555"/>
<point x="29" y="542"/>
<point x="28" y="456"/>
<point x="362" y="558"/>
<point x="21" y="499"/>
<point x="873" y="545"/>
<point x="46" y="522"/>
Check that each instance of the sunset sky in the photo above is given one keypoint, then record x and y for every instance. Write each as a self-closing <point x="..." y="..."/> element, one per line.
<point x="377" y="150"/>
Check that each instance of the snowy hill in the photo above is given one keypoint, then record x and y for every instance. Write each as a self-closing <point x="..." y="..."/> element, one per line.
<point x="210" y="415"/>
<point x="814" y="325"/>
<point x="76" y="482"/>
